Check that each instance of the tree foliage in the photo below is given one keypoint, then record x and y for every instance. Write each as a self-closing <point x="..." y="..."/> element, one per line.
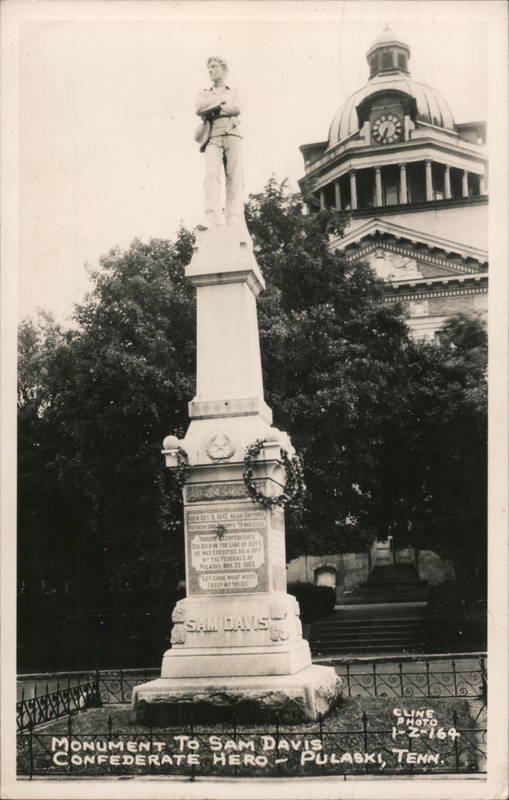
<point x="392" y="431"/>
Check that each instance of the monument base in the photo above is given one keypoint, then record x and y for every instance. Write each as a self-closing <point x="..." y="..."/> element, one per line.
<point x="247" y="699"/>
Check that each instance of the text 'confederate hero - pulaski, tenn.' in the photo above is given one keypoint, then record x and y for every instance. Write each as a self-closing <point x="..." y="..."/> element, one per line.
<point x="220" y="138"/>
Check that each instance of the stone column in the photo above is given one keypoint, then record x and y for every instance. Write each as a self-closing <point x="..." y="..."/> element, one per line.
<point x="429" y="181"/>
<point x="353" y="190"/>
<point x="403" y="192"/>
<point x="482" y="184"/>
<point x="337" y="195"/>
<point x="378" y="186"/>
<point x="236" y="642"/>
<point x="447" y="182"/>
<point x="464" y="184"/>
<point x="322" y="199"/>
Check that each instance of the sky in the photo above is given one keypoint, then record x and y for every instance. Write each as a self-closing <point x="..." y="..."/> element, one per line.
<point x="106" y="116"/>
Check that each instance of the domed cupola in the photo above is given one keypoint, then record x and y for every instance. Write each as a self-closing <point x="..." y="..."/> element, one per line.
<point x="388" y="53"/>
<point x="389" y="78"/>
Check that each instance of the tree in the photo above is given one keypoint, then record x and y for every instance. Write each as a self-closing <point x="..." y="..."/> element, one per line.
<point x="372" y="412"/>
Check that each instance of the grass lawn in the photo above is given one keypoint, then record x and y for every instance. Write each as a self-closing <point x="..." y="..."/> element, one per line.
<point x="423" y="736"/>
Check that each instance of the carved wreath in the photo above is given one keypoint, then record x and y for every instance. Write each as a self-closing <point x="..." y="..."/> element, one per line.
<point x="294" y="486"/>
<point x="182" y="466"/>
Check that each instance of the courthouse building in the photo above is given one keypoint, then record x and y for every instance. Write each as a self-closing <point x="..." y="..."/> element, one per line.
<point x="414" y="181"/>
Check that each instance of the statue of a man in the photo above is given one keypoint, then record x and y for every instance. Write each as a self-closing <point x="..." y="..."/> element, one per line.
<point x="219" y="108"/>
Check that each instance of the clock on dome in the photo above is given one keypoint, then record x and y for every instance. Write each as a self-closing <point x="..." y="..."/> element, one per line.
<point x="387" y="129"/>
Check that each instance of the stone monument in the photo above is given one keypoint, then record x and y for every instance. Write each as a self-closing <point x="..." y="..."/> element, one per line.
<point x="237" y="637"/>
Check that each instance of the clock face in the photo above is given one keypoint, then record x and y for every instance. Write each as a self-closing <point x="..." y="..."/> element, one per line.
<point x="387" y="129"/>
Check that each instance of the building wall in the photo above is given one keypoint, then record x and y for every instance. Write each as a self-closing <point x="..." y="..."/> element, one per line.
<point x="352" y="569"/>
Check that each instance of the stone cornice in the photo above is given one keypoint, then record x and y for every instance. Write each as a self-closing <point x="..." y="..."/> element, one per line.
<point x="333" y="164"/>
<point x="389" y="228"/>
<point x="423" y="257"/>
<point x="433" y="293"/>
<point x="425" y="205"/>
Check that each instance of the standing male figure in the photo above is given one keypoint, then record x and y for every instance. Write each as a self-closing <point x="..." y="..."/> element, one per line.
<point x="220" y="106"/>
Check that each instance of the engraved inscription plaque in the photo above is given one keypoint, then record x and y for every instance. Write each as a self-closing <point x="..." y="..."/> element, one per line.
<point x="226" y="549"/>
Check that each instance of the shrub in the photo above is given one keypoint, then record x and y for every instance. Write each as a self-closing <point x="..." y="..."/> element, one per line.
<point x="456" y="617"/>
<point x="315" y="601"/>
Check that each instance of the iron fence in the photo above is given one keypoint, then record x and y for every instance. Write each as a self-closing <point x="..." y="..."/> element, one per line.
<point x="62" y="701"/>
<point x="319" y="748"/>
<point x="469" y="682"/>
<point x="408" y="679"/>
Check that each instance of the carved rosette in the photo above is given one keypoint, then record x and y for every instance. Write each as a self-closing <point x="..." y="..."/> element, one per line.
<point x="178" y="614"/>
<point x="278" y="633"/>
<point x="178" y="634"/>
<point x="278" y="611"/>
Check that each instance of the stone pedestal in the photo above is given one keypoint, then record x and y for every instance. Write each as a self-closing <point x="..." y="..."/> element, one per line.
<point x="237" y="643"/>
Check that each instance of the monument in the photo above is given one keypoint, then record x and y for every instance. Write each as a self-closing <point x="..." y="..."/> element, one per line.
<point x="236" y="643"/>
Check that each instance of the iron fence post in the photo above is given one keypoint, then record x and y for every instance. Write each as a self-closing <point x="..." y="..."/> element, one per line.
<point x="150" y="744"/>
<point x="69" y="736"/>
<point x="97" y="688"/>
<point x="320" y="728"/>
<point x="365" y="735"/>
<point x="277" y="745"/>
<point x="31" y="748"/>
<point x="234" y="733"/>
<point x="374" y="680"/>
<point x="400" y="667"/>
<point x="428" y="684"/>
<point x="456" y="754"/>
<point x="484" y="683"/>
<point x="348" y="679"/>
<point x="453" y="664"/>
<point x="122" y="685"/>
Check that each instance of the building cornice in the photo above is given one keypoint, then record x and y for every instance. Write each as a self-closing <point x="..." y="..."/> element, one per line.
<point x="416" y="237"/>
<point x="423" y="293"/>
<point x="333" y="165"/>
<point x="424" y="205"/>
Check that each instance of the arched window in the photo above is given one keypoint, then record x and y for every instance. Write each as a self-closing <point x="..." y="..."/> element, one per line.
<point x="325" y="576"/>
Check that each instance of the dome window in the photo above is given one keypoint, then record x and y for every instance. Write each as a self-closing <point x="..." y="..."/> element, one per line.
<point x="402" y="61"/>
<point x="387" y="59"/>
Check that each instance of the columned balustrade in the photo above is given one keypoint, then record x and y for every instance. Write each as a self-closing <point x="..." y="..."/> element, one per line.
<point x="429" y="181"/>
<point x="403" y="193"/>
<point x="464" y="184"/>
<point x="337" y="195"/>
<point x="353" y="190"/>
<point x="378" y="186"/>
<point x="447" y="182"/>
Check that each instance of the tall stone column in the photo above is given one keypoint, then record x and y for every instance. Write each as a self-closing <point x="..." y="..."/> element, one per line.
<point x="322" y="199"/>
<point x="464" y="184"/>
<point x="447" y="182"/>
<point x="482" y="184"/>
<point x="403" y="192"/>
<point x="378" y="186"/>
<point x="337" y="195"/>
<point x="353" y="190"/>
<point x="429" y="181"/>
<point x="237" y="637"/>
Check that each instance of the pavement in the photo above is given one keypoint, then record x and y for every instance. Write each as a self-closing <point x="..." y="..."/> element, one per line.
<point x="415" y="610"/>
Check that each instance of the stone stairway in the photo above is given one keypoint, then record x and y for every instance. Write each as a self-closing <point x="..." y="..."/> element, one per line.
<point x="390" y="584"/>
<point x="371" y="628"/>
